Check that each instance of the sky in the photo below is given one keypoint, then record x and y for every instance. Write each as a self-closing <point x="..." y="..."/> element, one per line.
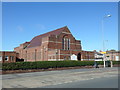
<point x="21" y="21"/>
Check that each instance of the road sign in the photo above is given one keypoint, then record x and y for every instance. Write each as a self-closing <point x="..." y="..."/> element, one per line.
<point x="103" y="52"/>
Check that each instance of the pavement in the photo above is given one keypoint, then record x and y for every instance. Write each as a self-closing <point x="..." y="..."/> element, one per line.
<point x="47" y="78"/>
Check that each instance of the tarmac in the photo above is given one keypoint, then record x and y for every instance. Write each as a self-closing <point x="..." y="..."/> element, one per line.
<point x="41" y="79"/>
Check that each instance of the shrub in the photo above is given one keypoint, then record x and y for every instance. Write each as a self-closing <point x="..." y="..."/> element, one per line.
<point x="48" y="64"/>
<point x="116" y="62"/>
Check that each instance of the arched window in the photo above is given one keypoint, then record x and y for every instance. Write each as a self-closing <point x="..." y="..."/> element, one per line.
<point x="65" y="43"/>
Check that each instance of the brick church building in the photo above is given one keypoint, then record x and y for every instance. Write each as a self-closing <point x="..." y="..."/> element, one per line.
<point x="56" y="45"/>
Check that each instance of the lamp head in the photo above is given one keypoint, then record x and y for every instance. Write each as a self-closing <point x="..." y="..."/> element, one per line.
<point x="109" y="15"/>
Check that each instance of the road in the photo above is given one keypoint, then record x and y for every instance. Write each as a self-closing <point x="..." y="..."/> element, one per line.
<point x="48" y="78"/>
<point x="104" y="82"/>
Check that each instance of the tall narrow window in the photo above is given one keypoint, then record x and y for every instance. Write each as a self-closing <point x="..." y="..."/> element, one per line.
<point x="68" y="44"/>
<point x="63" y="43"/>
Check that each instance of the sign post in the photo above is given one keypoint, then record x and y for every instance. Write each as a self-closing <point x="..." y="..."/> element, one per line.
<point x="111" y="63"/>
<point x="104" y="57"/>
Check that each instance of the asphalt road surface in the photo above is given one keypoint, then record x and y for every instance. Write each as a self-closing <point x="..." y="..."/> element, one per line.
<point x="105" y="82"/>
<point x="102" y="77"/>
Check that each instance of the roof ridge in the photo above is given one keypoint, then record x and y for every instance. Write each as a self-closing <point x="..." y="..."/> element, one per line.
<point x="51" y="31"/>
<point x="36" y="41"/>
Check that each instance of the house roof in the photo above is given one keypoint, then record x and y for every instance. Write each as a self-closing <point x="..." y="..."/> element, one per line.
<point x="36" y="41"/>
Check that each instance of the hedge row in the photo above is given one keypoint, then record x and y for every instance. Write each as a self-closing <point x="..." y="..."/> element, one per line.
<point x="47" y="64"/>
<point x="116" y="62"/>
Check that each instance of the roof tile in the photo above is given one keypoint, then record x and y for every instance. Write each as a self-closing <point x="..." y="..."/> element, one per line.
<point x="36" y="41"/>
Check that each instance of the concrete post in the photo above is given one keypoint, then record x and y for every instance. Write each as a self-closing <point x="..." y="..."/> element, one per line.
<point x="104" y="60"/>
<point x="111" y="64"/>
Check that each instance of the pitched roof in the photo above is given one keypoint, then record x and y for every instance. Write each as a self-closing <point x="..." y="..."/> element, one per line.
<point x="36" y="41"/>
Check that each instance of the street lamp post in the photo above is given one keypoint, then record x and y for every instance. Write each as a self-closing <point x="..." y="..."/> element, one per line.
<point x="103" y="37"/>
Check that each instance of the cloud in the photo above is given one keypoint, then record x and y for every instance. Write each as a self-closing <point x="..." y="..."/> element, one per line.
<point x="20" y="28"/>
<point x="40" y="26"/>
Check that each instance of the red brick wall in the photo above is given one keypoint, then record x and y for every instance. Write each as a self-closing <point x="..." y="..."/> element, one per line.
<point x="11" y="56"/>
<point x="87" y="55"/>
<point x="51" y="48"/>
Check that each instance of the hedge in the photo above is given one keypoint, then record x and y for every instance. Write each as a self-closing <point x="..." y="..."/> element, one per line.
<point x="116" y="62"/>
<point x="47" y="64"/>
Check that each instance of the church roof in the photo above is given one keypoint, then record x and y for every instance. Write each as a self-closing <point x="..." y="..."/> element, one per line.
<point x="36" y="41"/>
